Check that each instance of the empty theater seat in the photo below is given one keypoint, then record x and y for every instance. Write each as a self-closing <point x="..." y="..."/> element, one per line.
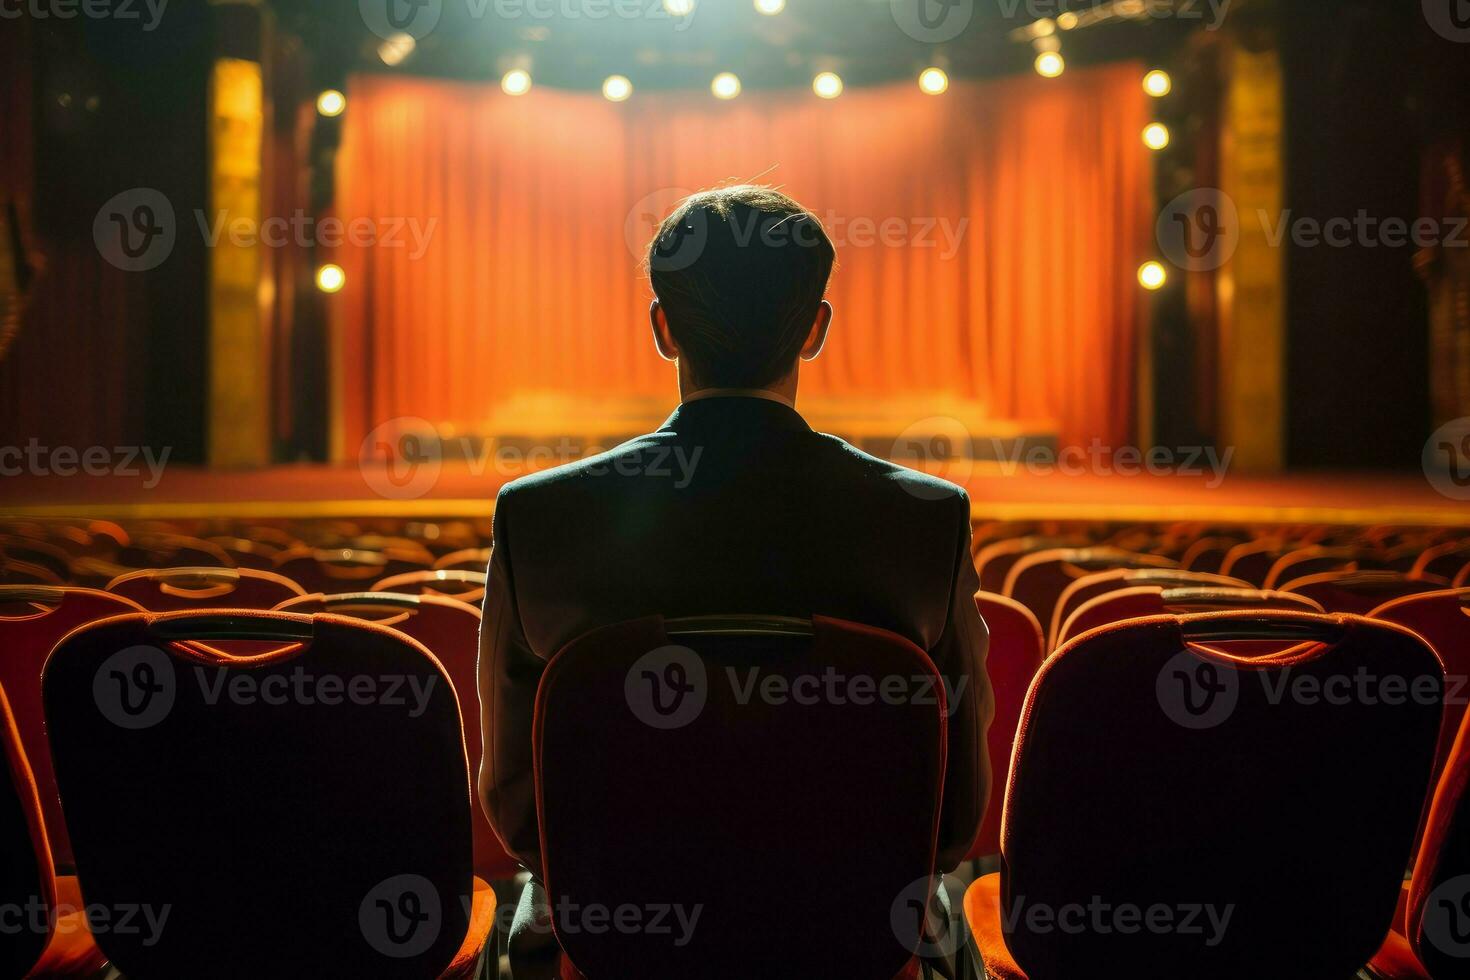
<point x="32" y="621"/>
<point x="45" y="934"/>
<point x="1015" y="654"/>
<point x="1313" y="560"/>
<point x="1154" y="600"/>
<point x="299" y="805"/>
<point x="335" y="570"/>
<point x="1090" y="586"/>
<point x="1360" y="592"/>
<point x="994" y="561"/>
<point x="1254" y="819"/>
<point x="450" y="629"/>
<point x="457" y="583"/>
<point x="831" y="887"/>
<point x="1037" y="580"/>
<point x="1442" y="618"/>
<point x="1433" y="940"/>
<point x="170" y="589"/>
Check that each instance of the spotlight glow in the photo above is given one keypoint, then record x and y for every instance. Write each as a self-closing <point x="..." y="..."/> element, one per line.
<point x="827" y="85"/>
<point x="726" y="85"/>
<point x="933" y="81"/>
<point x="398" y="47"/>
<point x="331" y="103"/>
<point x="616" y="88"/>
<point x="1156" y="136"/>
<point x="517" y="81"/>
<point x="1067" y="21"/>
<point x="1152" y="275"/>
<point x="1049" y="64"/>
<point x="770" y="7"/>
<point x="1158" y="83"/>
<point x="330" y="278"/>
<point x="679" y="8"/>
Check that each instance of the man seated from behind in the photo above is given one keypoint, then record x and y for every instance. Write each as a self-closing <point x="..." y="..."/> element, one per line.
<point x="747" y="511"/>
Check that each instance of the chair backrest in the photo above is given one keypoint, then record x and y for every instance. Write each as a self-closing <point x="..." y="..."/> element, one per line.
<point x="27" y="879"/>
<point x="336" y="570"/>
<point x="1153" y="600"/>
<point x="1089" y="586"/>
<point x="1438" y="912"/>
<point x="301" y="810"/>
<point x="167" y="550"/>
<point x="1037" y="580"/>
<point x="465" y="559"/>
<point x="1253" y="560"/>
<point x="1444" y="559"/>
<point x="32" y="621"/>
<point x="1313" y="560"/>
<point x="456" y="583"/>
<point x="172" y="589"/>
<point x="1015" y="655"/>
<point x="450" y="629"/>
<point x="1211" y="803"/>
<point x="1442" y="618"/>
<point x="665" y="779"/>
<point x="993" y="562"/>
<point x="1360" y="593"/>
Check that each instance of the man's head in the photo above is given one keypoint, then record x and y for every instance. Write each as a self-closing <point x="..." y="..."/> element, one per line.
<point x="739" y="274"/>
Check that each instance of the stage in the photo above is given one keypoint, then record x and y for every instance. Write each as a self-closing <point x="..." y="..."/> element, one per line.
<point x="998" y="490"/>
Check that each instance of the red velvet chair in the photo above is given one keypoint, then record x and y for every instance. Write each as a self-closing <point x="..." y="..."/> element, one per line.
<point x="161" y="549"/>
<point x="1090" y="586"/>
<point x="1253" y="560"/>
<point x="1360" y="593"/>
<point x="994" y="561"/>
<point x="300" y="809"/>
<point x="465" y="559"/>
<point x="1444" y="559"/>
<point x="754" y="809"/>
<point x="334" y="571"/>
<point x="456" y="583"/>
<point x="1314" y="560"/>
<point x="451" y="631"/>
<point x="172" y="589"/>
<point x="1207" y="554"/>
<point x="1015" y="655"/>
<point x="1462" y="580"/>
<point x="1433" y="940"/>
<point x="1037" y="580"/>
<point x="46" y="931"/>
<point x="32" y="621"/>
<point x="1153" y="600"/>
<point x="1442" y="618"/>
<point x="1155" y="771"/>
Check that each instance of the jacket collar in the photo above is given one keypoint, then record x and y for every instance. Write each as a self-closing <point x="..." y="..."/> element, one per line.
<point x="740" y="411"/>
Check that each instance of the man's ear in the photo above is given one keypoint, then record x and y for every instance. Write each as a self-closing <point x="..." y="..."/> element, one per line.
<point x="662" y="338"/>
<point x="818" y="337"/>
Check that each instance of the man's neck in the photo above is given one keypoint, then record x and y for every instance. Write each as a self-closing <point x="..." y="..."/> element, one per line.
<point x="766" y="393"/>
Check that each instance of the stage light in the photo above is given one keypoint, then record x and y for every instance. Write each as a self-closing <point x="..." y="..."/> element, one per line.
<point x="331" y="103"/>
<point x="770" y="7"/>
<point x="725" y="85"/>
<point x="1157" y="83"/>
<point x="330" y="278"/>
<point x="1049" y="64"/>
<point x="398" y="47"/>
<point x="933" y="81"/>
<point x="827" y="85"/>
<point x="517" y="81"/>
<point x="616" y="88"/>
<point x="1068" y="20"/>
<point x="679" y="8"/>
<point x="1156" y="136"/>
<point x="1152" y="275"/>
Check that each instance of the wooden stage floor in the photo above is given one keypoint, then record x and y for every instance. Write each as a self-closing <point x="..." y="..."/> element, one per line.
<point x="998" y="492"/>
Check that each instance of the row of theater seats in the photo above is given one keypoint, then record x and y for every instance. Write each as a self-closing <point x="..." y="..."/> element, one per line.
<point x="1050" y="593"/>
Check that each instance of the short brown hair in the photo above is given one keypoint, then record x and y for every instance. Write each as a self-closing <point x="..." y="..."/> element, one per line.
<point x="740" y="272"/>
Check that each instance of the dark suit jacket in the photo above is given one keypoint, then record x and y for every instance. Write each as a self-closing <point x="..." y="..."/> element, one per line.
<point x="734" y="506"/>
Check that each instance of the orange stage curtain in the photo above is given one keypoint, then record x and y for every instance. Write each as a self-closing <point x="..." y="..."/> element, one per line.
<point x="536" y="209"/>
